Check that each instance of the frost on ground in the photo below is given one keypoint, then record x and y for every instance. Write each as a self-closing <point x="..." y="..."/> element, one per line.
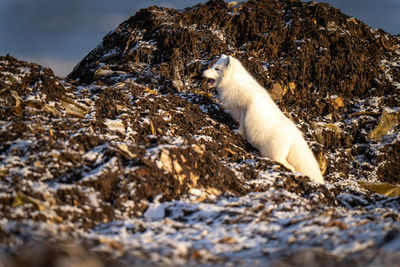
<point x="132" y="160"/>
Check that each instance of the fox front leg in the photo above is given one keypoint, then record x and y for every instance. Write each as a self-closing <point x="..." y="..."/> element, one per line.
<point x="241" y="129"/>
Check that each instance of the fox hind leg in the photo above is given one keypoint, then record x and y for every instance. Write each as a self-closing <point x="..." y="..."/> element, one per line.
<point x="283" y="155"/>
<point x="287" y="165"/>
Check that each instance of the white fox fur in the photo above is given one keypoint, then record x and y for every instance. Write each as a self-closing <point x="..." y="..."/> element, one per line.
<point x="261" y="121"/>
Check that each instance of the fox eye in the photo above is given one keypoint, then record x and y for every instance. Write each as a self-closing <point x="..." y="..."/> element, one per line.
<point x="217" y="69"/>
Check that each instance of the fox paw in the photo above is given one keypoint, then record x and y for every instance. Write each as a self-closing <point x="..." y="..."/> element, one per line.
<point x="239" y="131"/>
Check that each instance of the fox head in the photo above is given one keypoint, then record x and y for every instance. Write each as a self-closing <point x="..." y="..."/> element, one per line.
<point x="217" y="72"/>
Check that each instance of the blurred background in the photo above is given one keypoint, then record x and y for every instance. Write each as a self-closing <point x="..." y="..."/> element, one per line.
<point x="59" y="33"/>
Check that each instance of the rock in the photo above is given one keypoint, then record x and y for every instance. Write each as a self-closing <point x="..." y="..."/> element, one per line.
<point x="386" y="122"/>
<point x="277" y="92"/>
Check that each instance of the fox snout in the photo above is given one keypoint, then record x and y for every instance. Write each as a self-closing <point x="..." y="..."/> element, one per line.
<point x="208" y="74"/>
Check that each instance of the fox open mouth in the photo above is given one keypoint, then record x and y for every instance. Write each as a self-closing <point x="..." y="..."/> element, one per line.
<point x="210" y="82"/>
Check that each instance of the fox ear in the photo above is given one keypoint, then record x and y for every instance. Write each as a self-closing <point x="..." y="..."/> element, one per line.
<point x="228" y="59"/>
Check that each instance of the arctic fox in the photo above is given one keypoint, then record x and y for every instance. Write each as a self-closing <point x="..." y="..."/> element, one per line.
<point x="261" y="121"/>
